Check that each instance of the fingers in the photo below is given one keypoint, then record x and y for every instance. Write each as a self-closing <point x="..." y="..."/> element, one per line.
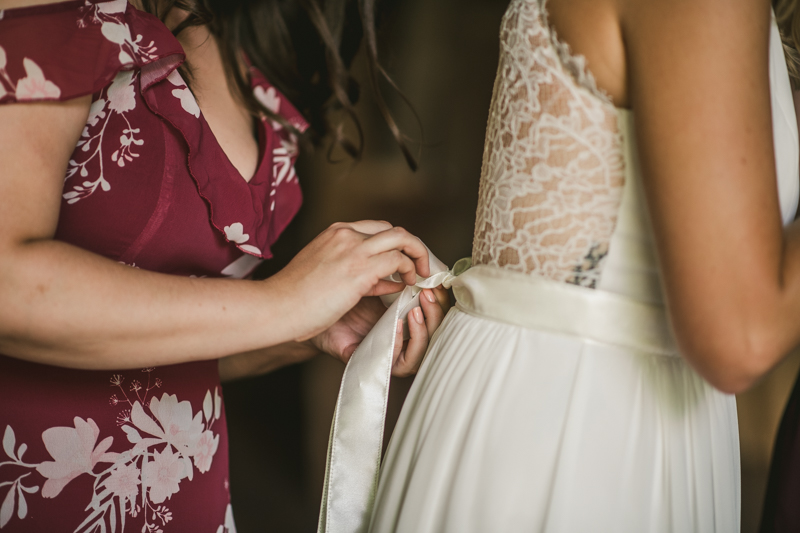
<point x="434" y="312"/>
<point x="389" y="262"/>
<point x="384" y="287"/>
<point x="397" y="355"/>
<point x="400" y="239"/>
<point x="378" y="238"/>
<point x="369" y="227"/>
<point x="408" y="362"/>
<point x="442" y="296"/>
<point x="347" y="352"/>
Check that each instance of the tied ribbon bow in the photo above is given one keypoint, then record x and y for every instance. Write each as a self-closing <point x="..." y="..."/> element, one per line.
<point x="354" y="448"/>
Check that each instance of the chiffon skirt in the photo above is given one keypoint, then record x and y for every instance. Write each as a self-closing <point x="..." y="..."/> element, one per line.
<point x="513" y="429"/>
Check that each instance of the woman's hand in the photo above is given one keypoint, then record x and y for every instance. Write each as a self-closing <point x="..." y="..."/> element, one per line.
<point x="343" y="337"/>
<point x="345" y="263"/>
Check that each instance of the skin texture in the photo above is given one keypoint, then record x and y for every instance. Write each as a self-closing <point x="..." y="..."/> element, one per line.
<point x="695" y="73"/>
<point x="68" y="307"/>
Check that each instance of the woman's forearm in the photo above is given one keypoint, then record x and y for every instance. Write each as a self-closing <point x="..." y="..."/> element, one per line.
<point x="64" y="306"/>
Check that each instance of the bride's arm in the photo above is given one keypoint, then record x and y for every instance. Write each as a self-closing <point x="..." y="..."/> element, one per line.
<point x="65" y="306"/>
<point x="698" y="85"/>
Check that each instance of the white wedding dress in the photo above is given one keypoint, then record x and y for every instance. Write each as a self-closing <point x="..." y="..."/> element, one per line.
<point x="552" y="398"/>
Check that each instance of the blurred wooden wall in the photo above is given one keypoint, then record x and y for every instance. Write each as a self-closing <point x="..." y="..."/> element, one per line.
<point x="443" y="54"/>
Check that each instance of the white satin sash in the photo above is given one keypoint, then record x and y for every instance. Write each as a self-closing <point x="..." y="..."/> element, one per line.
<point x="525" y="300"/>
<point x="536" y="302"/>
<point x="354" y="448"/>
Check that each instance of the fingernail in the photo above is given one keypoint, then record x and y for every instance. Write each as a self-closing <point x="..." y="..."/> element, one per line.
<point x="399" y="326"/>
<point x="429" y="295"/>
<point x="417" y="312"/>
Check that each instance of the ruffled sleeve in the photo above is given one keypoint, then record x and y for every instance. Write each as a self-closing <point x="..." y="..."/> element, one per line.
<point x="56" y="52"/>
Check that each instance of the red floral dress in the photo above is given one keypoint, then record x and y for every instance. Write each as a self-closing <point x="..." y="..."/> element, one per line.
<point x="149" y="186"/>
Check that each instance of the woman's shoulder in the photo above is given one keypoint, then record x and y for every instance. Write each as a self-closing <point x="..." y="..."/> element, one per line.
<point x="63" y="50"/>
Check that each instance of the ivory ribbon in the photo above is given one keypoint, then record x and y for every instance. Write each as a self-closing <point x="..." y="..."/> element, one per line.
<point x="354" y="448"/>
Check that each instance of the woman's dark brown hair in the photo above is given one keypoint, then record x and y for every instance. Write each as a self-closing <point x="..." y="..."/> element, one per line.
<point x="788" y="17"/>
<point x="303" y="47"/>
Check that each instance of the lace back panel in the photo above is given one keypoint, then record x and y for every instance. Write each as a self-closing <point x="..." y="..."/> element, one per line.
<point x="553" y="166"/>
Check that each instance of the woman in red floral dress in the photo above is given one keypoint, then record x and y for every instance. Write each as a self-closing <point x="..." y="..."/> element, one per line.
<point x="131" y="205"/>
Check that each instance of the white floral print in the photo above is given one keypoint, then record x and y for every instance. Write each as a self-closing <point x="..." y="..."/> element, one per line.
<point x="124" y="482"/>
<point x="109" y="15"/>
<point x="241" y="267"/>
<point x="282" y="156"/>
<point x="282" y="161"/>
<point x="228" y="526"/>
<point x="249" y="248"/>
<point x="206" y="448"/>
<point x="119" y="98"/>
<point x="74" y="452"/>
<point x="168" y="442"/>
<point x="269" y="98"/>
<point x="96" y="112"/>
<point x="235" y="233"/>
<point x="176" y="425"/>
<point x="183" y="94"/>
<point x="34" y="86"/>
<point x="163" y="474"/>
<point x="119" y="34"/>
<point x="188" y="102"/>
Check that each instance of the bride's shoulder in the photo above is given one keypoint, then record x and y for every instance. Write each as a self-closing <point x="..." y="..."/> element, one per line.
<point x="592" y="29"/>
<point x="691" y="39"/>
<point x="611" y="34"/>
<point x="708" y="16"/>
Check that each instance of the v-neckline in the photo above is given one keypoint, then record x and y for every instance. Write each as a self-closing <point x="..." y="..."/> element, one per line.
<point x="261" y="132"/>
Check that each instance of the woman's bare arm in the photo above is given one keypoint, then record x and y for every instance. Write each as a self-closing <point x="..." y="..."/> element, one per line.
<point x="696" y="74"/>
<point x="65" y="306"/>
<point x="698" y="85"/>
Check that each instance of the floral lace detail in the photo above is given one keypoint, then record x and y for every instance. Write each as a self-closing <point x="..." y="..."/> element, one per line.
<point x="168" y="443"/>
<point x="575" y="64"/>
<point x="553" y="166"/>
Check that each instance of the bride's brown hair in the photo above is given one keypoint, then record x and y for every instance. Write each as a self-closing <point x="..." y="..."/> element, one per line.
<point x="304" y="48"/>
<point x="787" y="12"/>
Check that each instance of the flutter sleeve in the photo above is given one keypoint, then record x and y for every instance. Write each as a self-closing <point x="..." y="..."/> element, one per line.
<point x="57" y="52"/>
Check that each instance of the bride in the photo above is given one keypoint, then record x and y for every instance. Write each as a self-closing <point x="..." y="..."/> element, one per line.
<point x="635" y="265"/>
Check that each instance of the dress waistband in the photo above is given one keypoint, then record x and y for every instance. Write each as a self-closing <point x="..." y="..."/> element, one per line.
<point x="535" y="302"/>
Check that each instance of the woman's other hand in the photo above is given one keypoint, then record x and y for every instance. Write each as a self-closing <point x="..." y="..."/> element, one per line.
<point x="343" y="337"/>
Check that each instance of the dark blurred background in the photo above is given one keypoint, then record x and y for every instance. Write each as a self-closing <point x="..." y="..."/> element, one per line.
<point x="443" y="55"/>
